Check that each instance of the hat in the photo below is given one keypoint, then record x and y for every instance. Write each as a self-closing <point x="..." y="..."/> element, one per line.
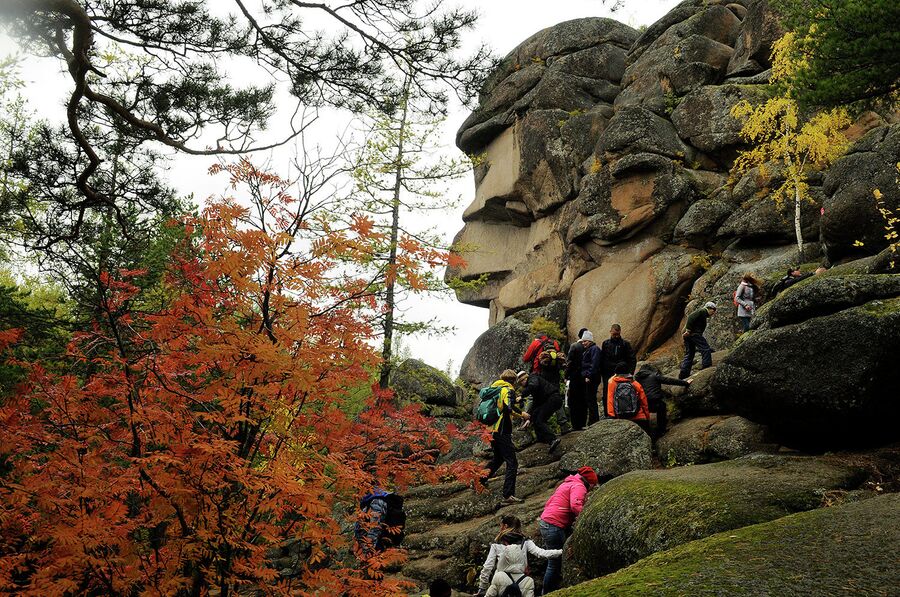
<point x="710" y="305"/>
<point x="521" y="375"/>
<point x="587" y="336"/>
<point x="589" y="475"/>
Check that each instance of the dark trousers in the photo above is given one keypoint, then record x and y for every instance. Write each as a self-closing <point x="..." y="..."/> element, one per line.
<point x="693" y="343"/>
<point x="662" y="418"/>
<point x="504" y="451"/>
<point x="540" y="414"/>
<point x="745" y="323"/>
<point x="604" y="389"/>
<point x="577" y="404"/>
<point x="554" y="538"/>
<point x="593" y="413"/>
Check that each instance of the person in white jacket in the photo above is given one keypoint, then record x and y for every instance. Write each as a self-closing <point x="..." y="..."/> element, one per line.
<point x="746" y="298"/>
<point x="510" y="535"/>
<point x="511" y="564"/>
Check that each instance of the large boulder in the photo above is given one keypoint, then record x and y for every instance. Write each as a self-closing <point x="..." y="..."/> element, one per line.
<point x="414" y="380"/>
<point x="635" y="129"/>
<point x="760" y="29"/>
<point x="827" y="380"/>
<point x="846" y="550"/>
<point x="703" y="117"/>
<point x="570" y="66"/>
<point x="500" y="347"/>
<point x="851" y="211"/>
<point x="710" y="439"/>
<point x="610" y="447"/>
<point x="644" y="512"/>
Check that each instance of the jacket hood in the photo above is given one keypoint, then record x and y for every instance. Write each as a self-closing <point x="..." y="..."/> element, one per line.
<point x="501" y="384"/>
<point x="512" y="559"/>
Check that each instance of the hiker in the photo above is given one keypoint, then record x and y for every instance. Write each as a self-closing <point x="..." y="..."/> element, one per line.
<point x="652" y="380"/>
<point x="591" y="373"/>
<point x="746" y="298"/>
<point x="559" y="515"/>
<point x="439" y="588"/>
<point x="388" y="521"/>
<point x="501" y="436"/>
<point x="510" y="534"/>
<point x="615" y="350"/>
<point x="576" y="389"/>
<point x="511" y="564"/>
<point x="543" y="343"/>
<point x="792" y="276"/>
<point x="694" y="340"/>
<point x="545" y="400"/>
<point x="626" y="398"/>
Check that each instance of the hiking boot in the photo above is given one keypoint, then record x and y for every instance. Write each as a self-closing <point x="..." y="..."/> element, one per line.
<point x="509" y="501"/>
<point x="554" y="444"/>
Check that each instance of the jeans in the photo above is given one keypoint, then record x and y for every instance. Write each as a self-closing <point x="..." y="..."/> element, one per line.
<point x="554" y="538"/>
<point x="504" y="451"/>
<point x="745" y="323"/>
<point x="693" y="343"/>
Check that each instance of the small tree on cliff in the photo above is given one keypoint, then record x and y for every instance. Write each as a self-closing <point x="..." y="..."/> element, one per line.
<point x="401" y="172"/>
<point x="216" y="427"/>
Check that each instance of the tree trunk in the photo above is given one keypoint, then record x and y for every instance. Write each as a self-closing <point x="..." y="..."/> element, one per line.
<point x="798" y="230"/>
<point x="389" y="305"/>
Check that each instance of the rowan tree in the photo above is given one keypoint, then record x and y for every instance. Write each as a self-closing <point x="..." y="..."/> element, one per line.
<point x="218" y="426"/>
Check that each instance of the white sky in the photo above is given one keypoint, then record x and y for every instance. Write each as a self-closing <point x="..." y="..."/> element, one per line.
<point x="503" y="24"/>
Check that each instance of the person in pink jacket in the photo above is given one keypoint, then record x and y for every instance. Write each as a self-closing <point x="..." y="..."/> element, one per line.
<point x="559" y="514"/>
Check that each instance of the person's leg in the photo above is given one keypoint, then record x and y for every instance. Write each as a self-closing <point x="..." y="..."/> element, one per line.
<point x="603" y="387"/>
<point x="577" y="405"/>
<point x="593" y="412"/>
<point x="745" y="323"/>
<point x="508" y="451"/>
<point x="662" y="418"/>
<point x="542" y="414"/>
<point x="688" y="361"/>
<point x="705" y="352"/>
<point x="496" y="460"/>
<point x="645" y="425"/>
<point x="554" y="538"/>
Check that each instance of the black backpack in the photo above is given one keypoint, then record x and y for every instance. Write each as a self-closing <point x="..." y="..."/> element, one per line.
<point x="394" y="523"/>
<point x="512" y="590"/>
<point x="625" y="400"/>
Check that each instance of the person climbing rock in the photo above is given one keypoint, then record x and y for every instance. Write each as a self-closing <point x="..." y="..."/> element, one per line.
<point x="559" y="515"/>
<point x="615" y="350"/>
<point x="510" y="534"/>
<point x="541" y="344"/>
<point x="694" y="340"/>
<point x="592" y="374"/>
<point x="501" y="435"/>
<point x="652" y="380"/>
<point x="746" y="298"/>
<point x="576" y="387"/>
<point x="387" y="521"/>
<point x="626" y="398"/>
<point x="511" y="565"/>
<point x="545" y="400"/>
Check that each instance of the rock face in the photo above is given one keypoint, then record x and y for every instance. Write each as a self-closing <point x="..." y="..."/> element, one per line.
<point x="835" y="334"/>
<point x="610" y="447"/>
<point x="845" y="550"/>
<point x="708" y="439"/>
<point x="413" y="379"/>
<point x="645" y="512"/>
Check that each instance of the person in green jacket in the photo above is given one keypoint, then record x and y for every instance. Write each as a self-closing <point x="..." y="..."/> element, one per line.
<point x="694" y="340"/>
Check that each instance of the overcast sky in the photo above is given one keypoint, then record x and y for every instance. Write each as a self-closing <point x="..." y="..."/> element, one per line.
<point x="503" y="24"/>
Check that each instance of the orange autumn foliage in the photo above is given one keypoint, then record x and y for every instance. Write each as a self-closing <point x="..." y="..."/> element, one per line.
<point x="241" y="416"/>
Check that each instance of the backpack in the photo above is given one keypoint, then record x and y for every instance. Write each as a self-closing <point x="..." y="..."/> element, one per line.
<point x="625" y="400"/>
<point x="734" y="299"/>
<point x="488" y="411"/>
<point x="394" y="523"/>
<point x="512" y="590"/>
<point x="549" y="356"/>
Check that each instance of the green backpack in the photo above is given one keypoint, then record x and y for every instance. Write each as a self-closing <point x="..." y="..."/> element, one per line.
<point x="488" y="411"/>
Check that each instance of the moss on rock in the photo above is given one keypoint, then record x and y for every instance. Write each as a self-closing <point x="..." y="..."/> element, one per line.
<point x="846" y="550"/>
<point x="645" y="512"/>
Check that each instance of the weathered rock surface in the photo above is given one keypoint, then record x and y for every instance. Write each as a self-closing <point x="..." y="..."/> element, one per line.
<point x="851" y="210"/>
<point x="753" y="48"/>
<point x="703" y="117"/>
<point x="710" y="439"/>
<point x="414" y="380"/>
<point x="644" y="512"/>
<point x="850" y="549"/>
<point x="828" y="380"/>
<point x="610" y="447"/>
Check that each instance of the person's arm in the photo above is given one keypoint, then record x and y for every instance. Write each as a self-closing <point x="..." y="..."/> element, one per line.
<point x="576" y="498"/>
<point x="513" y="405"/>
<point x="487" y="569"/>
<point x="610" y="392"/>
<point x="671" y="381"/>
<point x="741" y="299"/>
<point x="645" y="406"/>
<point x="534" y="550"/>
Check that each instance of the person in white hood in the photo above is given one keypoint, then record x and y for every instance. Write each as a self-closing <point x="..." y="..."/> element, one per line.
<point x="511" y="569"/>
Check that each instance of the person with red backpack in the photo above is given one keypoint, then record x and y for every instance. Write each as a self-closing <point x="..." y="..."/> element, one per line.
<point x="543" y="343"/>
<point x="625" y="398"/>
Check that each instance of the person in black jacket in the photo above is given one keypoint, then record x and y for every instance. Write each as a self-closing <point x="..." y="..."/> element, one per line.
<point x="591" y="365"/>
<point x="615" y="350"/>
<point x="652" y="381"/>
<point x="545" y="400"/>
<point x="577" y="401"/>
